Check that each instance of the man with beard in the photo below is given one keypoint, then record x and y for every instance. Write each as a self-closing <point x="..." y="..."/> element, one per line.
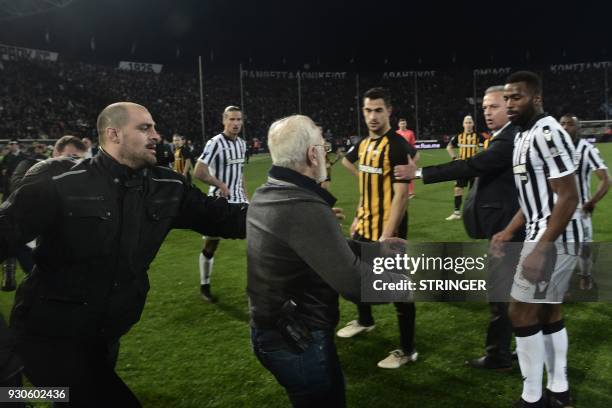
<point x="102" y="223"/>
<point x="587" y="160"/>
<point x="543" y="166"/>
<point x="381" y="212"/>
<point x="221" y="167"/>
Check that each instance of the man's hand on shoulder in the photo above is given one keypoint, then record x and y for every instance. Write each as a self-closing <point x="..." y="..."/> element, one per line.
<point x="406" y="171"/>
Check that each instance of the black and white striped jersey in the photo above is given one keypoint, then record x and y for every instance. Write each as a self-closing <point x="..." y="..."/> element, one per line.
<point x="542" y="152"/>
<point x="586" y="160"/>
<point x="225" y="159"/>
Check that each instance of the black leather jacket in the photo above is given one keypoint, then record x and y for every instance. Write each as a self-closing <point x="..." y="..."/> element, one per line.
<point x="100" y="224"/>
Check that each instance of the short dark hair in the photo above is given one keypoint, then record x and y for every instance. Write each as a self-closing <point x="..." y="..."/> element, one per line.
<point x="533" y="81"/>
<point x="64" y="141"/>
<point x="378" y="93"/>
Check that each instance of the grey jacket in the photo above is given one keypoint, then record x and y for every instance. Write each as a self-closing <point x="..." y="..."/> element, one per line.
<point x="296" y="250"/>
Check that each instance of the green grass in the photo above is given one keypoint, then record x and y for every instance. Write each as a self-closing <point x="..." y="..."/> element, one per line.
<point x="188" y="353"/>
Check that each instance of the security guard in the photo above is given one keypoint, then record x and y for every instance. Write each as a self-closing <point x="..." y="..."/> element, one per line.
<point x="100" y="225"/>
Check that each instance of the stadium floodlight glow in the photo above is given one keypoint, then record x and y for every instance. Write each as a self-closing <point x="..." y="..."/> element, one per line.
<point x="22" y="8"/>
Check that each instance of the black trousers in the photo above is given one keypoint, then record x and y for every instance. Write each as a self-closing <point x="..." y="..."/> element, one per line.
<point x="405" y="312"/>
<point x="500" y="277"/>
<point x="87" y="366"/>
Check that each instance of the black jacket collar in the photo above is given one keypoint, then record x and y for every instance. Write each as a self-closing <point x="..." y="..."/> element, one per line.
<point x="293" y="177"/>
<point x="118" y="170"/>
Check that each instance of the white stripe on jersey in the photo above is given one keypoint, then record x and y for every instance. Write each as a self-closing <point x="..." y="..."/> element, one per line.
<point x="543" y="152"/>
<point x="587" y="160"/>
<point x="225" y="158"/>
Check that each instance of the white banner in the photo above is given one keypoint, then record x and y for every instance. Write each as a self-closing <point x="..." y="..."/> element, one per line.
<point x="427" y="144"/>
<point x="140" y="66"/>
<point x="292" y="75"/>
<point x="408" y="74"/>
<point x="492" y="71"/>
<point x="8" y="52"/>
<point x="580" y="67"/>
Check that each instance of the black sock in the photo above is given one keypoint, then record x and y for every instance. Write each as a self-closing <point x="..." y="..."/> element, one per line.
<point x="458" y="202"/>
<point x="365" y="314"/>
<point x="406" y="313"/>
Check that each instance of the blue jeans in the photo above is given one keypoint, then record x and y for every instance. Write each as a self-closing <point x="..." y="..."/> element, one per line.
<point x="311" y="378"/>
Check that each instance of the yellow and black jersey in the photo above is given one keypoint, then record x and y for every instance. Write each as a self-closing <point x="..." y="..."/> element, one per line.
<point x="181" y="155"/>
<point x="485" y="144"/>
<point x="467" y="144"/>
<point x="486" y="139"/>
<point x="375" y="159"/>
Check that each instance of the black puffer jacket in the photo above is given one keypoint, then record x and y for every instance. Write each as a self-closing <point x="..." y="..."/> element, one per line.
<point x="100" y="224"/>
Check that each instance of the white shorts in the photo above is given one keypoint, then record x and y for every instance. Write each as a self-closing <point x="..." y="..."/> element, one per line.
<point x="544" y="292"/>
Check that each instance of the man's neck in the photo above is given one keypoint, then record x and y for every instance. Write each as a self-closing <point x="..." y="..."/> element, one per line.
<point x="497" y="130"/>
<point x="121" y="160"/>
<point x="380" y="134"/>
<point x="230" y="135"/>
<point x="537" y="112"/>
<point x="575" y="139"/>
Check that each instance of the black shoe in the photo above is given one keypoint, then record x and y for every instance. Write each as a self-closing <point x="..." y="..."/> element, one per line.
<point x="485" y="362"/>
<point x="521" y="403"/>
<point x="9" y="283"/>
<point x="206" y="295"/>
<point x="558" y="399"/>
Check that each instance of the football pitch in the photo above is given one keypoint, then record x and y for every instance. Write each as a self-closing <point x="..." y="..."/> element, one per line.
<point x="189" y="353"/>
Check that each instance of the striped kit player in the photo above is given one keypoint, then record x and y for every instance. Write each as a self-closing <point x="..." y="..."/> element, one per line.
<point x="587" y="161"/>
<point x="221" y="167"/>
<point x="544" y="174"/>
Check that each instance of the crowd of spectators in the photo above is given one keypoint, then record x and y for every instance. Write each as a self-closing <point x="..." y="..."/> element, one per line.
<point x="45" y="100"/>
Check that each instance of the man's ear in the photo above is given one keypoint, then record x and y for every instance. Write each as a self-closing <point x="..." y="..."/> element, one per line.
<point x="112" y="135"/>
<point x="311" y="155"/>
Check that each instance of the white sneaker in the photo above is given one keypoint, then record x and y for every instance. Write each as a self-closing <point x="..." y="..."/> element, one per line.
<point x="397" y="358"/>
<point x="454" y="216"/>
<point x="353" y="328"/>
